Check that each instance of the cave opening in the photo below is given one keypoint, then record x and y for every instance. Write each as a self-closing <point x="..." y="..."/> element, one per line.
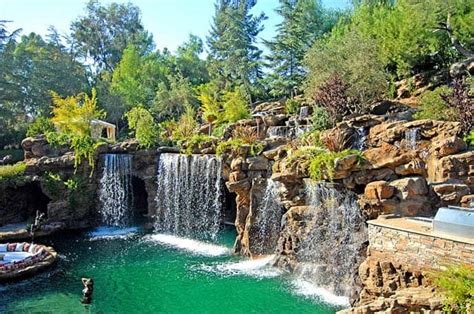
<point x="230" y="208"/>
<point x="23" y="202"/>
<point x="140" y="199"/>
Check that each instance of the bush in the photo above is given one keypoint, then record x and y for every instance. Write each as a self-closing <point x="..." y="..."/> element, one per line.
<point x="460" y="102"/>
<point x="470" y="138"/>
<point x="186" y="125"/>
<point x="333" y="96"/>
<point x="72" y="118"/>
<point x="41" y="125"/>
<point x="322" y="165"/>
<point x="354" y="58"/>
<point x="321" y="120"/>
<point x="292" y="106"/>
<point x="12" y="171"/>
<point x="457" y="284"/>
<point x="235" y="106"/>
<point x="196" y="141"/>
<point x="234" y="145"/>
<point x="146" y="130"/>
<point x="432" y="106"/>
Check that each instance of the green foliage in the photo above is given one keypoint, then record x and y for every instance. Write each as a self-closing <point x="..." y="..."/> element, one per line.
<point x="292" y="106"/>
<point x="146" y="130"/>
<point x="303" y="22"/>
<point x="186" y="125"/>
<point x="195" y="141"/>
<point x="236" y="144"/>
<point x="171" y="101"/>
<point x="321" y="120"/>
<point x="432" y="106"/>
<point x="235" y="106"/>
<point x="105" y="31"/>
<point x="322" y="164"/>
<point x="209" y="96"/>
<point x="457" y="284"/>
<point x="53" y="183"/>
<point x="235" y="59"/>
<point x="353" y="57"/>
<point x="72" y="118"/>
<point x="469" y="139"/>
<point x="12" y="171"/>
<point x="41" y="125"/>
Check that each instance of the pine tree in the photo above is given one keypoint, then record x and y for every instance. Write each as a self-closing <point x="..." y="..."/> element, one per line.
<point x="234" y="57"/>
<point x="303" y="22"/>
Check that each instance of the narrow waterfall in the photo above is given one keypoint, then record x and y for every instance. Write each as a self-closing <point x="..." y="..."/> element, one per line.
<point x="268" y="220"/>
<point x="411" y="136"/>
<point x="360" y="139"/>
<point x="115" y="190"/>
<point x="331" y="253"/>
<point x="189" y="198"/>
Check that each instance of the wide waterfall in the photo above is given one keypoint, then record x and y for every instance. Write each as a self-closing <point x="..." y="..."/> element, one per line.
<point x="115" y="190"/>
<point x="189" y="198"/>
<point x="268" y="219"/>
<point x="330" y="254"/>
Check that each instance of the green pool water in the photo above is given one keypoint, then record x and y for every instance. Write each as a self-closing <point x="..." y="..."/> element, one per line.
<point x="137" y="274"/>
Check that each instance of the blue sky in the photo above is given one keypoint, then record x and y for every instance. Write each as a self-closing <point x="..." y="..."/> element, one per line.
<point x="170" y="21"/>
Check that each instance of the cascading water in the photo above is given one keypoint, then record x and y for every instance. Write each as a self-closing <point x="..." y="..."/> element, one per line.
<point x="330" y="253"/>
<point x="411" y="136"/>
<point x="361" y="138"/>
<point x="115" y="190"/>
<point x="189" y="197"/>
<point x="268" y="218"/>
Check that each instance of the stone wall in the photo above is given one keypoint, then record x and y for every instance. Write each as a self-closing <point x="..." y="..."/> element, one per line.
<point x="418" y="250"/>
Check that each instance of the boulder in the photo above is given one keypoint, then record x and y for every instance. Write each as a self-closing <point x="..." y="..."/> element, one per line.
<point x="258" y="163"/>
<point x="366" y="176"/>
<point x="447" y="146"/>
<point x="451" y="193"/>
<point x="458" y="166"/>
<point x="386" y="156"/>
<point x="408" y="188"/>
<point x="414" y="167"/>
<point x="379" y="190"/>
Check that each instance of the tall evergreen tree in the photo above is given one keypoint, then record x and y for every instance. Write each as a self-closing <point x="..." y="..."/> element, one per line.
<point x="235" y="60"/>
<point x="303" y="22"/>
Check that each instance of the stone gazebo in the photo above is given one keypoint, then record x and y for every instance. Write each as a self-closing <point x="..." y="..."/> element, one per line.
<point x="98" y="127"/>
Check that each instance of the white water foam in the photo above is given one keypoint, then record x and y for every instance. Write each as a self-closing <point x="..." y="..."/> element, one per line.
<point x="259" y="268"/>
<point x="112" y="233"/>
<point x="309" y="290"/>
<point x="189" y="245"/>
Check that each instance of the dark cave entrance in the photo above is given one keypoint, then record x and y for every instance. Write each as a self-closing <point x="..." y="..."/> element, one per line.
<point x="230" y="208"/>
<point x="140" y="199"/>
<point x="22" y="203"/>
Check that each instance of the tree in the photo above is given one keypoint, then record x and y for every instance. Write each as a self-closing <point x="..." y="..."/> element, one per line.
<point x="303" y="22"/>
<point x="188" y="64"/>
<point x="234" y="57"/>
<point x="146" y="130"/>
<point x="105" y="31"/>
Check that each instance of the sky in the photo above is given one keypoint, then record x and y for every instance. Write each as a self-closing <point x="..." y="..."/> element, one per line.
<point x="170" y="21"/>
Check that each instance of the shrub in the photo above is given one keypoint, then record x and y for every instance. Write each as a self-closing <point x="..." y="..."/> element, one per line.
<point x="12" y="171"/>
<point x="336" y="141"/>
<point x="248" y="135"/>
<point x="457" y="284"/>
<point x="208" y="95"/>
<point x="322" y="165"/>
<point x="196" y="141"/>
<point x="292" y="106"/>
<point x="321" y="120"/>
<point x="235" y="106"/>
<point x="186" y="125"/>
<point x="432" y="106"/>
<point x="41" y="125"/>
<point x="462" y="104"/>
<point x="146" y="130"/>
<point x="470" y="138"/>
<point x="333" y="96"/>
<point x="72" y="118"/>
<point x="234" y="145"/>
<point x="353" y="57"/>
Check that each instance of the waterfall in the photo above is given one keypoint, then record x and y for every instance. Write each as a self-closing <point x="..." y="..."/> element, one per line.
<point x="330" y="253"/>
<point x="411" y="136"/>
<point x="189" y="197"/>
<point x="115" y="190"/>
<point x="361" y="137"/>
<point x="268" y="219"/>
